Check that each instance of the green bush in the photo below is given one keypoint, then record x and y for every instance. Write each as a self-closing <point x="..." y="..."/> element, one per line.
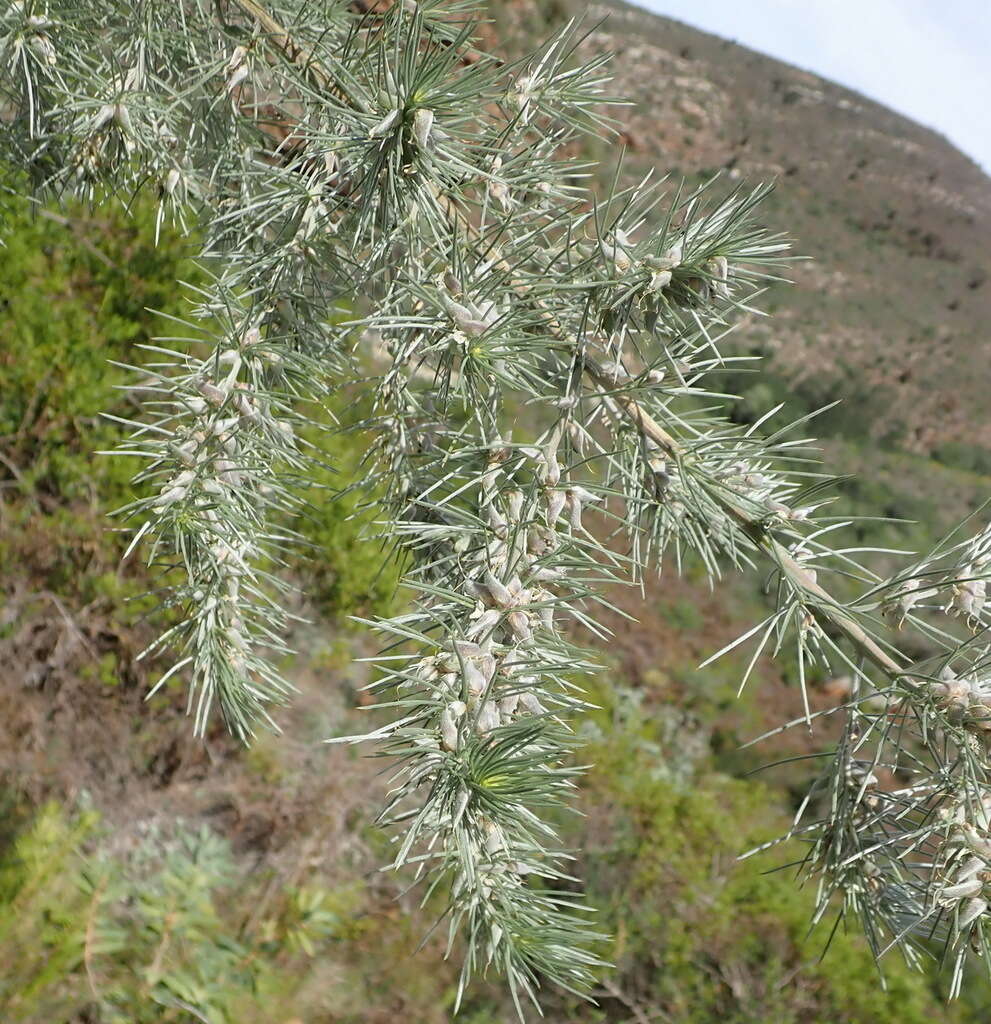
<point x="79" y="292"/>
<point x="970" y="457"/>
<point x="699" y="936"/>
<point x="149" y="935"/>
<point x="349" y="568"/>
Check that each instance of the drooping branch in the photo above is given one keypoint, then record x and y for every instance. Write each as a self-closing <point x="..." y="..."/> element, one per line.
<point x="827" y="609"/>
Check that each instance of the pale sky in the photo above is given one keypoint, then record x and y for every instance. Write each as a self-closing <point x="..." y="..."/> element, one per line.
<point x="927" y="59"/>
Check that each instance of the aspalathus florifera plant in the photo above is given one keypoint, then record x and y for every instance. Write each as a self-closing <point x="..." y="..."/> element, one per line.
<point x="383" y="206"/>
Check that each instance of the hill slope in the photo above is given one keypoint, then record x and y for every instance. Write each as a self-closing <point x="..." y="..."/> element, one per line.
<point x="892" y="311"/>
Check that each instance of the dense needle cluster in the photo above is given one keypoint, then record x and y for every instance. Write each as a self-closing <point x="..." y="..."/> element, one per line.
<point x="385" y="209"/>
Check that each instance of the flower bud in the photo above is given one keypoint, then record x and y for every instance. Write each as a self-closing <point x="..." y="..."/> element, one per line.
<point x="486" y="622"/>
<point x="488" y="718"/>
<point x="172" y="495"/>
<point x="531" y="703"/>
<point x="172" y="179"/>
<point x="969" y="887"/>
<point x="507" y="706"/>
<point x="213" y="394"/>
<point x="494" y="839"/>
<point x="498" y="591"/>
<point x="103" y="116"/>
<point x="659" y="280"/>
<point x="969" y="596"/>
<point x="550" y="475"/>
<point x="546" y="613"/>
<point x="971" y="911"/>
<point x="519" y="623"/>
<point x="474" y="680"/>
<point x="718" y="267"/>
<point x="448" y="724"/>
<point x="43" y="47"/>
<point x="383" y="126"/>
<point x="612" y="251"/>
<point x="423" y="121"/>
<point x="122" y="118"/>
<point x="555" y="505"/>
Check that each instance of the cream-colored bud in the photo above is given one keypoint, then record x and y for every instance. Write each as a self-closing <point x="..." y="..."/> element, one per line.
<point x="494" y="839"/>
<point x="487" y="719"/>
<point x="519" y="623"/>
<point x="507" y="706"/>
<point x="474" y="680"/>
<point x="974" y="908"/>
<point x="449" y="725"/>
<point x="498" y="591"/>
<point x="718" y="266"/>
<point x="122" y="118"/>
<point x="172" y="180"/>
<point x="104" y="116"/>
<point x="484" y="624"/>
<point x="555" y="505"/>
<point x="186" y="452"/>
<point x="211" y="392"/>
<point x="236" y="77"/>
<point x="171" y="496"/>
<point x="659" y="280"/>
<point x="531" y="703"/>
<point x="551" y="471"/>
<point x="383" y="126"/>
<point x="42" y="45"/>
<point x="423" y="121"/>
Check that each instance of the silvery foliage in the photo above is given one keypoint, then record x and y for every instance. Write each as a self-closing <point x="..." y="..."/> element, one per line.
<point x="383" y="207"/>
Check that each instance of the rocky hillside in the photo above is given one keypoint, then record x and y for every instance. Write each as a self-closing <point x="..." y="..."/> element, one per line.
<point x="891" y="312"/>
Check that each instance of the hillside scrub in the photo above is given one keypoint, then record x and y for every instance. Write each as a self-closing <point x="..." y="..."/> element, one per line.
<point x="149" y="930"/>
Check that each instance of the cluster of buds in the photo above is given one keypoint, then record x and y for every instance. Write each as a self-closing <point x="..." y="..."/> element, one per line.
<point x="862" y="783"/>
<point x="209" y="511"/>
<point x="749" y="480"/>
<point x="489" y="677"/>
<point x="522" y="95"/>
<point x="211" y="452"/>
<point x="498" y="190"/>
<point x="113" y="115"/>
<point x="969" y="594"/>
<point x="967" y="872"/>
<point x="967" y="890"/>
<point x="964" y="586"/>
<point x="484" y="679"/>
<point x="37" y="37"/>
<point x="899" y="605"/>
<point x="966" y="702"/>
<point x="470" y="319"/>
<point x="661" y="267"/>
<point x="618" y="250"/>
<point x="236" y="69"/>
<point x="615" y="248"/>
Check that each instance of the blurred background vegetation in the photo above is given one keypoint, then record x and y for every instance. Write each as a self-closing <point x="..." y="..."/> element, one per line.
<point x="146" y="877"/>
